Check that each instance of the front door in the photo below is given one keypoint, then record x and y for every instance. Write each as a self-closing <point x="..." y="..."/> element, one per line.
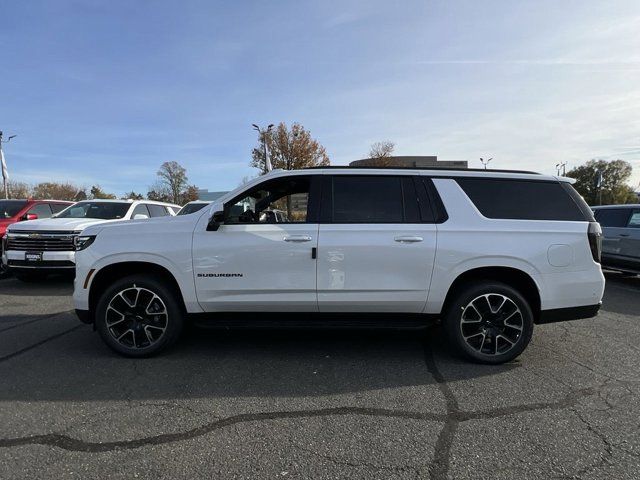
<point x="262" y="257"/>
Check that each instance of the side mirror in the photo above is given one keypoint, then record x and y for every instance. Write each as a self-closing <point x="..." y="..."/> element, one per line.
<point x="216" y="220"/>
<point x="140" y="216"/>
<point x="30" y="216"/>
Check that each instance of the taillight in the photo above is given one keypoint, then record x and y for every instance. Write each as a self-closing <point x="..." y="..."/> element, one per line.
<point x="595" y="240"/>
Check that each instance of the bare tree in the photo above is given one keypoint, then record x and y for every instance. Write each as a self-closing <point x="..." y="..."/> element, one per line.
<point x="381" y="153"/>
<point x="19" y="189"/>
<point x="173" y="177"/>
<point x="58" y="191"/>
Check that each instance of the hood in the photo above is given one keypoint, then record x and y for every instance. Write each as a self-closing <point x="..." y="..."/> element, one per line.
<point x="133" y="226"/>
<point x="57" y="224"/>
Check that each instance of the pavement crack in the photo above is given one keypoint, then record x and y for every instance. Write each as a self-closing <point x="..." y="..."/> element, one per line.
<point x="39" y="318"/>
<point x="439" y="468"/>
<point x="40" y="343"/>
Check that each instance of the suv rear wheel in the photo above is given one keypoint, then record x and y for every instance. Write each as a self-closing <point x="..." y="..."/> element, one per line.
<point x="489" y="322"/>
<point x="139" y="316"/>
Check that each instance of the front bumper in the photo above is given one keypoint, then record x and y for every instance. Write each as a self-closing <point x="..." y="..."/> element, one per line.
<point x="51" y="262"/>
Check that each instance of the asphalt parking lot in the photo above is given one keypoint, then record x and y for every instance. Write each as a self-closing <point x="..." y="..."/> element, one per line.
<point x="315" y="404"/>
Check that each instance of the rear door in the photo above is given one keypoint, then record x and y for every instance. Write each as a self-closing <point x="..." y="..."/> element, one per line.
<point x="630" y="243"/>
<point x="614" y="223"/>
<point x="375" y="250"/>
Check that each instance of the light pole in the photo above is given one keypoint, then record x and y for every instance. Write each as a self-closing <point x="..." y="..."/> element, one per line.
<point x="5" y="172"/>
<point x="263" y="137"/>
<point x="561" y="166"/>
<point x="485" y="162"/>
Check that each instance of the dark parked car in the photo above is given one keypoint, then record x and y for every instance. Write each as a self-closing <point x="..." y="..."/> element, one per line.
<point x="621" y="236"/>
<point x="12" y="211"/>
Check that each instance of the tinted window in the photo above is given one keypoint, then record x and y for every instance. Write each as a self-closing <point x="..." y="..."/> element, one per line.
<point x="9" y="208"/>
<point x="634" y="221"/>
<point x="521" y="199"/>
<point x="157" y="210"/>
<point x="281" y="200"/>
<point x="58" y="207"/>
<point x="367" y="199"/>
<point x="613" y="217"/>
<point x="100" y="210"/>
<point x="140" y="210"/>
<point x="42" y="210"/>
<point x="191" y="208"/>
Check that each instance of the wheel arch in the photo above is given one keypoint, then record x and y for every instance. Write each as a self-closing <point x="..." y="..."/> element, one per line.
<point x="511" y="276"/>
<point x="115" y="271"/>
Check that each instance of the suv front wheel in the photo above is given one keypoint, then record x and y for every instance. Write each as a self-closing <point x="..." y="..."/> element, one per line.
<point x="489" y="322"/>
<point x="139" y="316"/>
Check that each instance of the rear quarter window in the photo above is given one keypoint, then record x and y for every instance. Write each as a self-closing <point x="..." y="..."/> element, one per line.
<point x="525" y="199"/>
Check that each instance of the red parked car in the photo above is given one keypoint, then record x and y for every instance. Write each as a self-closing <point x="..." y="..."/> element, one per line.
<point x="12" y="211"/>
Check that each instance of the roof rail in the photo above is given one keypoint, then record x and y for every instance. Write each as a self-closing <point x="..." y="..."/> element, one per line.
<point x="459" y="169"/>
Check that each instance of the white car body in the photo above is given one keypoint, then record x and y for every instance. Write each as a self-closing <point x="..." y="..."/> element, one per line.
<point x="40" y="235"/>
<point x="360" y="267"/>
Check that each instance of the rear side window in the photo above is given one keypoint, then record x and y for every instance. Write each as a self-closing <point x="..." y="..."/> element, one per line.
<point x="367" y="199"/>
<point x="613" y="217"/>
<point x="522" y="199"/>
<point x="634" y="221"/>
<point x="157" y="210"/>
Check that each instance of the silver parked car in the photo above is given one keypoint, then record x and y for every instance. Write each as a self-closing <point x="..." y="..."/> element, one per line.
<point x="621" y="241"/>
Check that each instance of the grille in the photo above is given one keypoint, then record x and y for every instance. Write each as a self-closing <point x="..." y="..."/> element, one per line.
<point x="41" y="241"/>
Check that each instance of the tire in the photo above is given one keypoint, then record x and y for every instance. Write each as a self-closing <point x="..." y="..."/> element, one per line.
<point x="489" y="322"/>
<point x="31" y="277"/>
<point x="139" y="316"/>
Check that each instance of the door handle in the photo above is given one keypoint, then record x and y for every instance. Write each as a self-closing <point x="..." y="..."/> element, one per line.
<point x="297" y="238"/>
<point x="623" y="235"/>
<point x="408" y="239"/>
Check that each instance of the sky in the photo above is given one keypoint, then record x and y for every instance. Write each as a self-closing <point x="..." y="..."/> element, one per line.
<point x="103" y="92"/>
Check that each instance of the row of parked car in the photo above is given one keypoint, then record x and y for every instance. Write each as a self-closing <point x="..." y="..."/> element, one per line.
<point x="39" y="236"/>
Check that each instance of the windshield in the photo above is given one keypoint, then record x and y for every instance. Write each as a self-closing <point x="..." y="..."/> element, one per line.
<point x="101" y="210"/>
<point x="192" y="208"/>
<point x="9" y="208"/>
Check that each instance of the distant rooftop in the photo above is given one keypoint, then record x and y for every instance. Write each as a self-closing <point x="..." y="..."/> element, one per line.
<point x="427" y="161"/>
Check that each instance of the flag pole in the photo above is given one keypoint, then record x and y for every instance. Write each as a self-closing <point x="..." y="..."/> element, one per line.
<point x="3" y="166"/>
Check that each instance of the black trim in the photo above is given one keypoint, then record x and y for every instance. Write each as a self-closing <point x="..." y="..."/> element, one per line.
<point x="84" y="316"/>
<point x="311" y="320"/>
<point x="439" y="211"/>
<point x="41" y="264"/>
<point x="571" y="313"/>
<point x="433" y="169"/>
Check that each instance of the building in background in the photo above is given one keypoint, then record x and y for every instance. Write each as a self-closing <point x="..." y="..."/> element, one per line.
<point x="429" y="161"/>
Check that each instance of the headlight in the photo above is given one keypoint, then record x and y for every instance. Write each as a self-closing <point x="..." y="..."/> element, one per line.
<point x="83" y="241"/>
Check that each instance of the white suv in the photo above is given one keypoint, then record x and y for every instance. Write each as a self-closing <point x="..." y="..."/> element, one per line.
<point x="490" y="253"/>
<point x="35" y="248"/>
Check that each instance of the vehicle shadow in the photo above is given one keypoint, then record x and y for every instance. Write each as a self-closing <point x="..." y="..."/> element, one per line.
<point x="622" y="294"/>
<point x="214" y="363"/>
<point x="54" y="285"/>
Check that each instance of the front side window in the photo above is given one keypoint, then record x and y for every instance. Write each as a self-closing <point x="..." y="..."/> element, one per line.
<point x="140" y="210"/>
<point x="281" y="200"/>
<point x="634" y="221"/>
<point x="158" y="210"/>
<point x="42" y="210"/>
<point x="613" y="217"/>
<point x="98" y="210"/>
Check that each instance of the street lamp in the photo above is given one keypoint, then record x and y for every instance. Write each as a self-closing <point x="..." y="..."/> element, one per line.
<point x="485" y="162"/>
<point x="263" y="133"/>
